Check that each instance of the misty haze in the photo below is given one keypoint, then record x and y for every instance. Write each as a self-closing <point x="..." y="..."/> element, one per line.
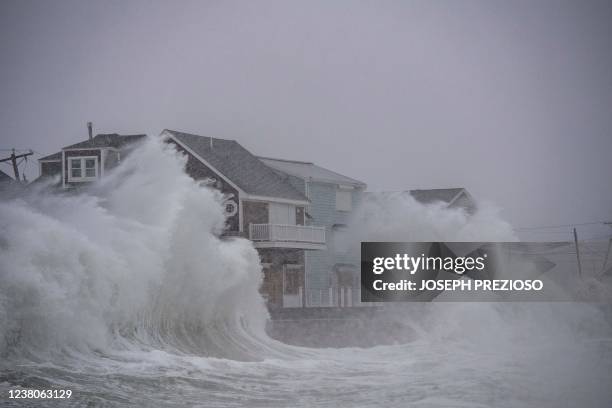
<point x="201" y="201"/>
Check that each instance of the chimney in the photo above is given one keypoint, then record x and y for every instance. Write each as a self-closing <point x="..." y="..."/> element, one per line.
<point x="90" y="130"/>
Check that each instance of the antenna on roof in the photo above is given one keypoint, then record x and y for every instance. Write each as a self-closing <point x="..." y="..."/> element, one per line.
<point x="90" y="130"/>
<point x="211" y="143"/>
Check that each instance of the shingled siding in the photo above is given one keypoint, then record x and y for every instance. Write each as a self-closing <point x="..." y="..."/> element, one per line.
<point x="50" y="168"/>
<point x="198" y="171"/>
<point x="111" y="159"/>
<point x="275" y="261"/>
<point x="254" y="212"/>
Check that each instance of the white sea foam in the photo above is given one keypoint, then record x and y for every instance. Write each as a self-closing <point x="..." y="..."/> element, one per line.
<point x="126" y="294"/>
<point x="136" y="257"/>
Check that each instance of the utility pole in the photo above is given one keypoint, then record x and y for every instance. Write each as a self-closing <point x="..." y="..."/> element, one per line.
<point x="577" y="252"/>
<point x="13" y="158"/>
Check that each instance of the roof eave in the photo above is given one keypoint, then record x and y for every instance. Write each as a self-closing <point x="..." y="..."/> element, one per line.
<point x="242" y="192"/>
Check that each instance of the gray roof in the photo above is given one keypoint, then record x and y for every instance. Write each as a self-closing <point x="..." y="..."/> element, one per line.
<point x="52" y="157"/>
<point x="445" y="195"/>
<point x="310" y="171"/>
<point x="102" y="140"/>
<point x="236" y="163"/>
<point x="106" y="140"/>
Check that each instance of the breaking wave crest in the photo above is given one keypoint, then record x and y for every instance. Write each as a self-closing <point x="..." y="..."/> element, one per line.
<point x="126" y="294"/>
<point x="134" y="263"/>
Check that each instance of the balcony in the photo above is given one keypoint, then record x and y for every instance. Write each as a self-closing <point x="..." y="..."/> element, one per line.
<point x="287" y="236"/>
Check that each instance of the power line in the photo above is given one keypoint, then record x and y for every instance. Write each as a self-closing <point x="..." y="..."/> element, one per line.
<point x="599" y="237"/>
<point x="547" y="232"/>
<point x="13" y="159"/>
<point x="561" y="225"/>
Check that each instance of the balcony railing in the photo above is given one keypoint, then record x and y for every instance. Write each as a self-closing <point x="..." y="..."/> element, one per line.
<point x="286" y="233"/>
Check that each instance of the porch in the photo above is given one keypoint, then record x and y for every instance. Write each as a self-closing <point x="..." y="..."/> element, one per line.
<point x="287" y="236"/>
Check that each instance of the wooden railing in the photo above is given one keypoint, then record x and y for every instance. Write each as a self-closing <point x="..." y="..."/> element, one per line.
<point x="287" y="233"/>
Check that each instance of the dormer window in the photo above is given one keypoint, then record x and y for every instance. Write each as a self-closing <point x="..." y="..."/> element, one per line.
<point x="82" y="168"/>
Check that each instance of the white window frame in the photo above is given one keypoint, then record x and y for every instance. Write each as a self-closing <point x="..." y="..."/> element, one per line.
<point x="82" y="160"/>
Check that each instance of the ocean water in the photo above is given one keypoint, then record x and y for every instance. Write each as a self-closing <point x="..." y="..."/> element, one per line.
<point x="127" y="296"/>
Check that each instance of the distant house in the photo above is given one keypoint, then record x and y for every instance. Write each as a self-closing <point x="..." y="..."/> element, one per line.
<point x="451" y="197"/>
<point x="332" y="276"/>
<point x="84" y="162"/>
<point x="261" y="205"/>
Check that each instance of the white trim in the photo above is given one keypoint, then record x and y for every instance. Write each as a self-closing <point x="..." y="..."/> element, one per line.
<point x="49" y="161"/>
<point x="306" y="283"/>
<point x="462" y="192"/>
<point x="452" y="200"/>
<point x="243" y="194"/>
<point x="63" y="169"/>
<point x="240" y="214"/>
<point x="83" y="177"/>
<point x="307" y="208"/>
<point x="102" y="157"/>
<point x="251" y="197"/>
<point x="200" y="158"/>
<point x="293" y="245"/>
<point x="343" y="182"/>
<point x="286" y="233"/>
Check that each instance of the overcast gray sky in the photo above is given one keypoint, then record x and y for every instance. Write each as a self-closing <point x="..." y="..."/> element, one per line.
<point x="510" y="99"/>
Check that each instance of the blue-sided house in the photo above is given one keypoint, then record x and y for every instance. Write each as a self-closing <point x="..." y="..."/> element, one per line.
<point x="332" y="276"/>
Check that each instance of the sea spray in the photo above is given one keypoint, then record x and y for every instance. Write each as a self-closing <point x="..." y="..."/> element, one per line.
<point x="125" y="294"/>
<point x="399" y="217"/>
<point x="136" y="257"/>
<point x="503" y="328"/>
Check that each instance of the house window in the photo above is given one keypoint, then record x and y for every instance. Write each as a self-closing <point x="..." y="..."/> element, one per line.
<point x="300" y="216"/>
<point x="231" y="208"/>
<point x="82" y="168"/>
<point x="344" y="200"/>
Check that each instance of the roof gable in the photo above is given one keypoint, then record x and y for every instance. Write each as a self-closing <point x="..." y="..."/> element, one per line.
<point x="238" y="165"/>
<point x="445" y="195"/>
<point x="52" y="157"/>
